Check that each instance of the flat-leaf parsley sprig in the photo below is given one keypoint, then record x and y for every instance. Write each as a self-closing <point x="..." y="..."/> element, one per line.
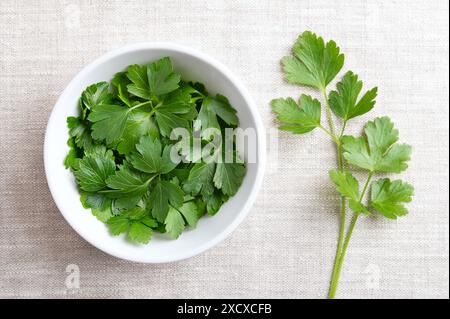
<point x="315" y="64"/>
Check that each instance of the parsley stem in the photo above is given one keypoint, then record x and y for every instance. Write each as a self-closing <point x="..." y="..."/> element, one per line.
<point x="155" y="108"/>
<point x="343" y="129"/>
<point x="329" y="115"/>
<point x="341" y="251"/>
<point x="337" y="259"/>
<point x="140" y="104"/>
<point x="340" y="157"/>
<point x="366" y="184"/>
<point x="337" y="272"/>
<point x="334" y="138"/>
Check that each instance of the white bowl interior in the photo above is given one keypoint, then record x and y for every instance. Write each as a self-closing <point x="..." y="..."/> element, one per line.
<point x="210" y="230"/>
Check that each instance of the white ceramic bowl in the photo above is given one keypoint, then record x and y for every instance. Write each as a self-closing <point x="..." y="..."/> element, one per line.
<point x="192" y="65"/>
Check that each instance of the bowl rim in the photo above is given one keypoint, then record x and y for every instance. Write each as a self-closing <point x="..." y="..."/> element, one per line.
<point x="260" y="132"/>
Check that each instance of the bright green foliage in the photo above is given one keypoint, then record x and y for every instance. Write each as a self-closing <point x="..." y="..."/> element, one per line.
<point x="167" y="121"/>
<point x="191" y="212"/>
<point x="388" y="197"/>
<point x="151" y="158"/>
<point x="127" y="186"/>
<point x="79" y="130"/>
<point x="109" y="122"/>
<point x="96" y="94"/>
<point x="313" y="63"/>
<point x="214" y="201"/>
<point x="200" y="179"/>
<point x="229" y="177"/>
<point x="100" y="204"/>
<point x="119" y="83"/>
<point x="135" y="222"/>
<point x="214" y="108"/>
<point x="163" y="193"/>
<point x="174" y="223"/>
<point x="344" y="101"/>
<point x="178" y="218"/>
<point x="126" y="166"/>
<point x="139" y="87"/>
<point x="94" y="169"/>
<point x="72" y="159"/>
<point x="378" y="151"/>
<point x="297" y="118"/>
<point x="139" y="123"/>
<point x="348" y="186"/>
<point x="153" y="80"/>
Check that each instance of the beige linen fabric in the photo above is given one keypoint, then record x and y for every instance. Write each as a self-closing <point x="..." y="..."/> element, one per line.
<point x="286" y="246"/>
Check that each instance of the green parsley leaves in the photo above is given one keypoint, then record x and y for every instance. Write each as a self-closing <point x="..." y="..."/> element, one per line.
<point x="388" y="197"/>
<point x="315" y="63"/>
<point x="298" y="118"/>
<point x="94" y="169"/>
<point x="378" y="150"/>
<point x="128" y="169"/>
<point x="344" y="101"/>
<point x="109" y="122"/>
<point x="348" y="186"/>
<point x="152" y="80"/>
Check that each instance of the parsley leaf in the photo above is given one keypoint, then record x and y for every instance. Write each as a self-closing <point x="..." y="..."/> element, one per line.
<point x="297" y="118"/>
<point x="73" y="156"/>
<point x="139" y="123"/>
<point x="109" y="122"/>
<point x="348" y="186"/>
<point x="118" y="224"/>
<point x="214" y="201"/>
<point x="180" y="101"/>
<point x="344" y="102"/>
<point x="149" y="159"/>
<point x="206" y="119"/>
<point x="94" y="169"/>
<point x="380" y="152"/>
<point x="228" y="177"/>
<point x="200" y="179"/>
<point x="163" y="193"/>
<point x="223" y="109"/>
<point x="168" y="120"/>
<point x="140" y="233"/>
<point x="96" y="94"/>
<point x="127" y="186"/>
<point x="190" y="212"/>
<point x="120" y="82"/>
<point x="175" y="111"/>
<point x="174" y="222"/>
<point x="212" y="109"/>
<point x="80" y="131"/>
<point x="314" y="63"/>
<point x="176" y="217"/>
<point x="139" y="86"/>
<point x="161" y="77"/>
<point x="102" y="215"/>
<point x="153" y="80"/>
<point x="388" y="197"/>
<point x="101" y="205"/>
<point x="136" y="223"/>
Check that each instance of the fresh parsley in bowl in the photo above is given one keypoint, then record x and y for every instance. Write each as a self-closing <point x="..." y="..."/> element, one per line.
<point x="120" y="152"/>
<point x="150" y="152"/>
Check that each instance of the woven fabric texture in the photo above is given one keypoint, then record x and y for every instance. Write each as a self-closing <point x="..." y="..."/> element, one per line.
<point x="286" y="246"/>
